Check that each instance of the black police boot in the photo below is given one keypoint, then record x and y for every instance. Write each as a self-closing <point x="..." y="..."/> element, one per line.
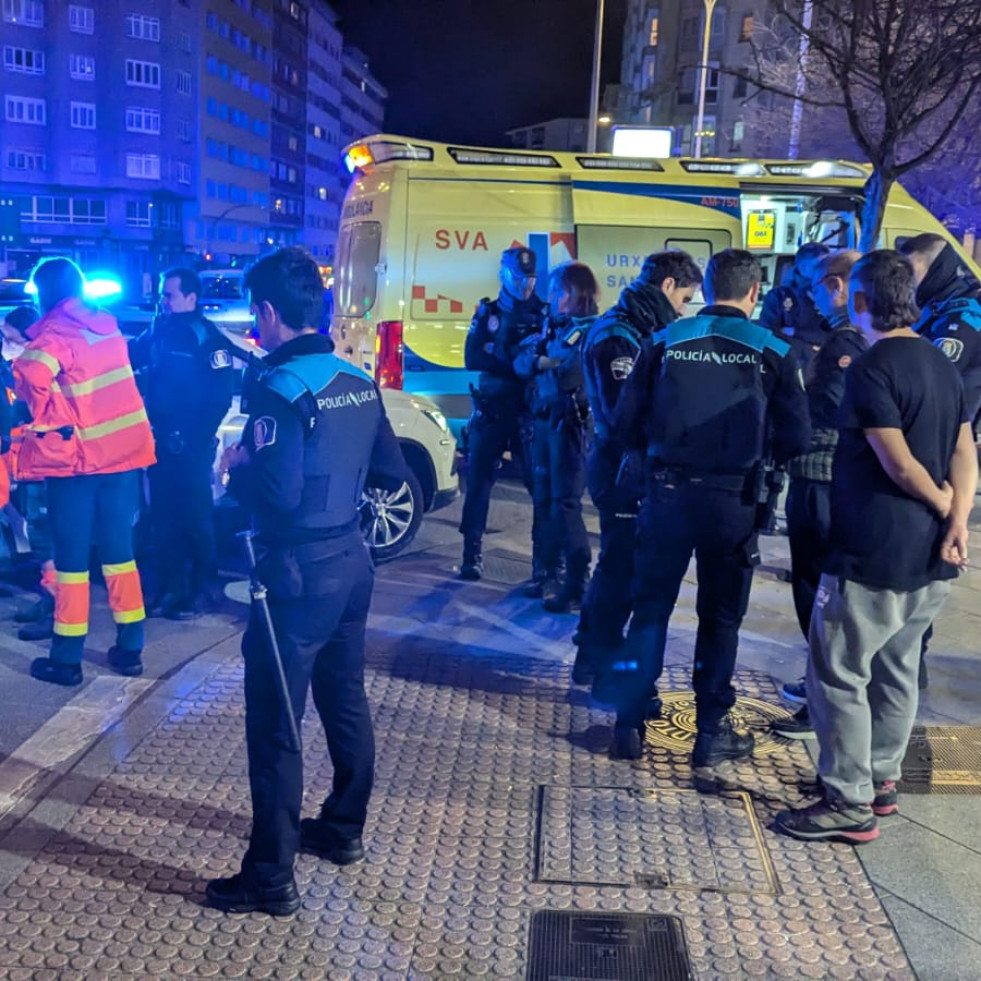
<point x="628" y="743"/>
<point x="569" y="598"/>
<point x="316" y="838"/>
<point x="56" y="672"/>
<point x="127" y="663"/>
<point x="712" y="748"/>
<point x="242" y="893"/>
<point x="583" y="669"/>
<point x="472" y="566"/>
<point x="163" y="605"/>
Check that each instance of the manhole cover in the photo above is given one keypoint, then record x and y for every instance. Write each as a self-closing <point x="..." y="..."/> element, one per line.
<point x="675" y="730"/>
<point x="943" y="760"/>
<point x="568" y="946"/>
<point x="655" y="839"/>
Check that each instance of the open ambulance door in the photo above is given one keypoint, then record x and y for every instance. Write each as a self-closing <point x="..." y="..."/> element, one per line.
<point x="620" y="222"/>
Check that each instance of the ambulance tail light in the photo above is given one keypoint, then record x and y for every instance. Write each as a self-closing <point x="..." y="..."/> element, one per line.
<point x="389" y="363"/>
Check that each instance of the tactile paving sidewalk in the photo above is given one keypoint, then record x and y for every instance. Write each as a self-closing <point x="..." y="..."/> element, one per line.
<point x="478" y="756"/>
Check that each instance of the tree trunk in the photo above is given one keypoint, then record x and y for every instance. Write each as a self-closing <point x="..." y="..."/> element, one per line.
<point x="877" y="189"/>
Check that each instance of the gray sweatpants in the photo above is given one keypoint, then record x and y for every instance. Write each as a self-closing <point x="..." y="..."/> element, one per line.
<point x="862" y="678"/>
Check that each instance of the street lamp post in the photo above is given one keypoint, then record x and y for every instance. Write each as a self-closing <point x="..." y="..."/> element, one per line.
<point x="595" y="88"/>
<point x="703" y="81"/>
<point x="227" y="211"/>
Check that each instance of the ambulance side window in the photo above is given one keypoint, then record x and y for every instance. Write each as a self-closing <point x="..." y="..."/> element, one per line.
<point x="355" y="279"/>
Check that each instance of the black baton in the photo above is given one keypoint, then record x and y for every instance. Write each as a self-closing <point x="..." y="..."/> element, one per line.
<point x="261" y="602"/>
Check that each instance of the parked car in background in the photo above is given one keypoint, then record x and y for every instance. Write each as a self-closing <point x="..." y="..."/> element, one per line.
<point x="223" y="299"/>
<point x="390" y="519"/>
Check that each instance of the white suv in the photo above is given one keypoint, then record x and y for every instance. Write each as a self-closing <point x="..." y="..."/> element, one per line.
<point x="391" y="519"/>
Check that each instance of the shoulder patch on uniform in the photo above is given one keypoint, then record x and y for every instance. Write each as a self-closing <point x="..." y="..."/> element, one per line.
<point x="952" y="347"/>
<point x="263" y="432"/>
<point x="844" y="361"/>
<point x="620" y="368"/>
<point x="493" y="323"/>
<point x="221" y="359"/>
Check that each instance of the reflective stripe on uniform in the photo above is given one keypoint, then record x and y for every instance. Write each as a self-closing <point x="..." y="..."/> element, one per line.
<point x="49" y="362"/>
<point x="125" y="592"/>
<point x="71" y="629"/>
<point x="100" y="381"/>
<point x="129" y="616"/>
<point x="113" y="425"/>
<point x="119" y="568"/>
<point x="71" y="578"/>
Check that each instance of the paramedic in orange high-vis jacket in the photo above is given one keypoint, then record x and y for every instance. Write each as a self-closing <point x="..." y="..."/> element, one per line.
<point x="88" y="440"/>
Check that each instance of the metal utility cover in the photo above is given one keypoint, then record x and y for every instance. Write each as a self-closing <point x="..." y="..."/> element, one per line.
<point x="509" y="568"/>
<point x="658" y="839"/>
<point x="565" y="945"/>
<point x="943" y="760"/>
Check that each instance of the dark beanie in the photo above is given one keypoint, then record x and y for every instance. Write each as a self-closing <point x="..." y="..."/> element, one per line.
<point x="21" y="318"/>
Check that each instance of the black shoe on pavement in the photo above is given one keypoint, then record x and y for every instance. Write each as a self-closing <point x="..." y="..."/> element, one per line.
<point x="128" y="663"/>
<point x="472" y="566"/>
<point x="583" y="670"/>
<point x="712" y="748"/>
<point x="38" y="630"/>
<point x="563" y="603"/>
<point x="798" y="726"/>
<point x="186" y="608"/>
<point x="316" y="838"/>
<point x="242" y="894"/>
<point x="56" y="672"/>
<point x="628" y="743"/>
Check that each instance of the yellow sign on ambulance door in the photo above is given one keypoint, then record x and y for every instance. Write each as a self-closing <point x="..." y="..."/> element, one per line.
<point x="761" y="230"/>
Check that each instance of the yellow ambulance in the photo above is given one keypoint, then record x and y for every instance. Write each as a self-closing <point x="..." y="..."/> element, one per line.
<point x="423" y="226"/>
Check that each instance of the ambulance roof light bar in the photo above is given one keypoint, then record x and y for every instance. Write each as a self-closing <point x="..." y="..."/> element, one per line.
<point x="506" y="158"/>
<point x="360" y="156"/>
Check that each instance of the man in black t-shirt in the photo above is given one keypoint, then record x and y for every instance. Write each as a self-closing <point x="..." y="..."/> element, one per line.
<point x="903" y="482"/>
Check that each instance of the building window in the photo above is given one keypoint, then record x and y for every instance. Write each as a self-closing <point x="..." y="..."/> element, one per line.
<point x="24" y="13"/>
<point x="183" y="131"/>
<point x="33" y="160"/>
<point x="184" y="83"/>
<point x="145" y="166"/>
<point x="185" y="42"/>
<point x="737" y="136"/>
<point x="168" y="215"/>
<point x="183" y="172"/>
<point x="145" y="74"/>
<point x="70" y="211"/>
<point x="18" y="109"/>
<point x="739" y="89"/>
<point x="746" y="28"/>
<point x="81" y="20"/>
<point x="138" y="213"/>
<point x="653" y="32"/>
<point x="83" y="163"/>
<point x="712" y="85"/>
<point x="83" y="115"/>
<point x="23" y="60"/>
<point x="143" y="28"/>
<point x="140" y="120"/>
<point x="81" y="67"/>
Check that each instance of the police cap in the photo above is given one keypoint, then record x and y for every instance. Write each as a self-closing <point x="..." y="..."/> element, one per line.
<point x="518" y="260"/>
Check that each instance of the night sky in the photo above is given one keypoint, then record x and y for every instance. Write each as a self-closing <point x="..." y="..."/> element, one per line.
<point x="468" y="70"/>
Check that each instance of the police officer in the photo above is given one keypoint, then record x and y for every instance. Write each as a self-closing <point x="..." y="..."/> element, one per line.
<point x="950" y="314"/>
<point x="950" y="318"/>
<point x="185" y="368"/>
<point x="700" y="400"/>
<point x="562" y="425"/>
<point x="500" y="420"/>
<point x="789" y="308"/>
<point x="666" y="284"/>
<point x="316" y="429"/>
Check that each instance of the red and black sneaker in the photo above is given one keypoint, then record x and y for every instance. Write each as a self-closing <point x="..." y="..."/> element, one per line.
<point x="886" y="798"/>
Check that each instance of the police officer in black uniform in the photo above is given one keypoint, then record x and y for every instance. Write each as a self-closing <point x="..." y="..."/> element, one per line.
<point x="316" y="429"/>
<point x="184" y="368"/>
<point x="666" y="284"/>
<point x="950" y="311"/>
<point x="700" y="400"/>
<point x="500" y="420"/>
<point x="789" y="308"/>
